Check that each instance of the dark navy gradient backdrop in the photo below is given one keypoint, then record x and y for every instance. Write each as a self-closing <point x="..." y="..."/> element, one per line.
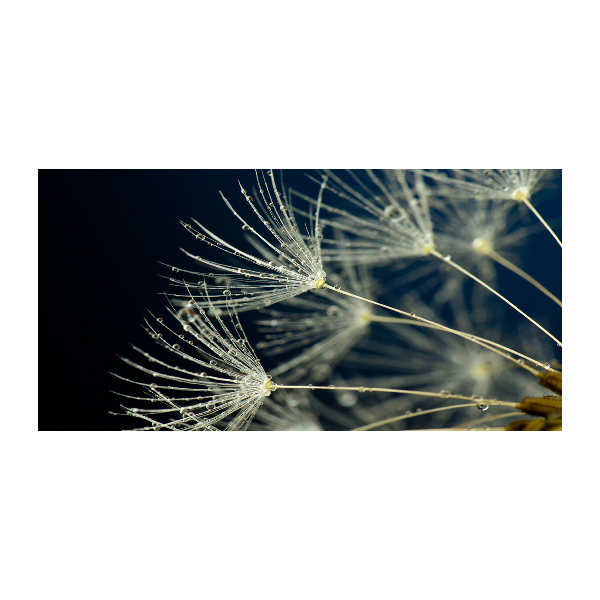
<point x="102" y="236"/>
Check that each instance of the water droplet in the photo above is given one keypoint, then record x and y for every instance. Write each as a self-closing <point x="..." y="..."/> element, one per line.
<point x="361" y="389"/>
<point x="203" y="374"/>
<point x="200" y="237"/>
<point x="175" y="269"/>
<point x="176" y="346"/>
<point x="337" y="287"/>
<point x="521" y="361"/>
<point x="445" y="393"/>
<point x="483" y="406"/>
<point x="419" y="410"/>
<point x="272" y="264"/>
<point x="331" y="386"/>
<point x="246" y="227"/>
<point x="447" y="257"/>
<point x="546" y="366"/>
<point x="213" y="362"/>
<point x="154" y="385"/>
<point x="159" y="320"/>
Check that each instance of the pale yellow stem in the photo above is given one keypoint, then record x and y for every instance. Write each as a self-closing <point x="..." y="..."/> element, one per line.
<point x="410" y="416"/>
<point x="480" y="341"/>
<point x="467" y="429"/>
<point x="512" y="267"/>
<point x="445" y="395"/>
<point x="485" y="420"/>
<point x="449" y="261"/>
<point x="543" y="222"/>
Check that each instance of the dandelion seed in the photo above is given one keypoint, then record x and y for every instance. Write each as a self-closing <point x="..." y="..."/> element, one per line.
<point x="490" y="184"/>
<point x="194" y="399"/>
<point x="470" y="231"/>
<point x="387" y="221"/>
<point x="287" y="265"/>
<point x="494" y="184"/>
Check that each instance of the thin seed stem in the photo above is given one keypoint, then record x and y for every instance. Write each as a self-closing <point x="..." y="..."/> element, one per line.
<point x="410" y="416"/>
<point x="488" y="401"/>
<point x="449" y="261"/>
<point x="467" y="429"/>
<point x="537" y="214"/>
<point x="485" y="420"/>
<point x="476" y="340"/>
<point x="512" y="267"/>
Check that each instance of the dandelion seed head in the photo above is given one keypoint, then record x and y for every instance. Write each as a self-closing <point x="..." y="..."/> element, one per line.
<point x="230" y="390"/>
<point x="482" y="370"/>
<point x="386" y="218"/>
<point x="471" y="231"/>
<point x="490" y="184"/>
<point x="521" y="194"/>
<point x="320" y="280"/>
<point x="482" y="245"/>
<point x="287" y="262"/>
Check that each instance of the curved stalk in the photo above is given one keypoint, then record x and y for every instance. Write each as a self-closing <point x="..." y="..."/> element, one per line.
<point x="512" y="267"/>
<point x="449" y="261"/>
<point x="484" y="420"/>
<point x="542" y="221"/>
<point x="473" y="401"/>
<point x="404" y="417"/>
<point x="489" y="345"/>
